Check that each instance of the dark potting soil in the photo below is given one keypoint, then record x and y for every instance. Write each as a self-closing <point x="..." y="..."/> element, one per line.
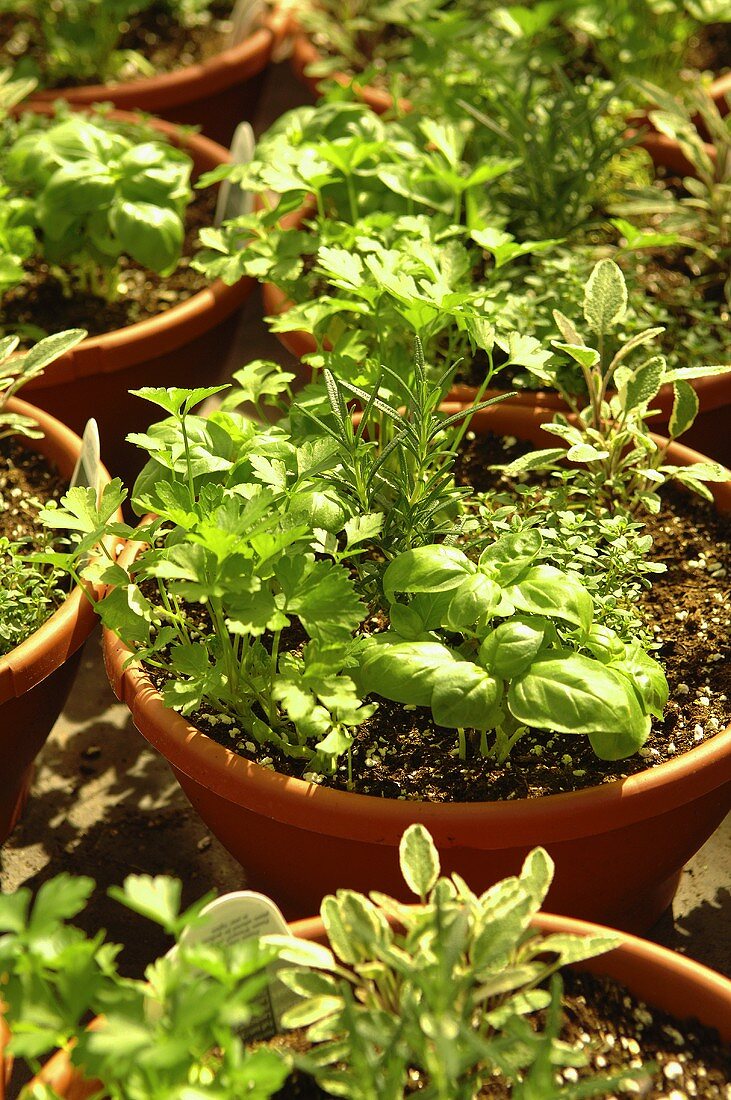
<point x="41" y="301"/>
<point x="399" y="752"/>
<point x="27" y="483"/>
<point x="155" y="34"/>
<point x="618" y="1033"/>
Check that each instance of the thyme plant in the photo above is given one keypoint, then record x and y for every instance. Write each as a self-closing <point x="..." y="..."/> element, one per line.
<point x="29" y="591"/>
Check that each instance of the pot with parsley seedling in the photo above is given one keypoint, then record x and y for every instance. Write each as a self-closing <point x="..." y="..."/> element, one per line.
<point x="100" y="219"/>
<point x="375" y="991"/>
<point x="43" y="623"/>
<point x="369" y="659"/>
<point x="189" y="63"/>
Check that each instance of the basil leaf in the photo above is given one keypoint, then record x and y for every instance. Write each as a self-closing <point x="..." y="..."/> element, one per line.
<point x="511" y="648"/>
<point x="426" y="569"/>
<point x="569" y="693"/>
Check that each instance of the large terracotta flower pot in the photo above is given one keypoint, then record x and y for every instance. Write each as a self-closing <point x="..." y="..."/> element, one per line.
<point x="216" y="94"/>
<point x="187" y="346"/>
<point x="660" y="978"/>
<point x="36" y="676"/>
<point x="618" y="848"/>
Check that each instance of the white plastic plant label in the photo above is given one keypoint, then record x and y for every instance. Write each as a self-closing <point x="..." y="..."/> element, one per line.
<point x="87" y="472"/>
<point x="245" y="16"/>
<point x="233" y="200"/>
<point x="237" y="916"/>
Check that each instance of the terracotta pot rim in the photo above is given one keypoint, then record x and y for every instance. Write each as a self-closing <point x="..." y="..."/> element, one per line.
<point x="112" y="351"/>
<point x="69" y="625"/>
<point x="224" y="68"/>
<point x="359" y="816"/>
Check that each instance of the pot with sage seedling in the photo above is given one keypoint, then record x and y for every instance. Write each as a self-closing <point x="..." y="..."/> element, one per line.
<point x="380" y="224"/>
<point x="376" y="991"/>
<point x="382" y="645"/>
<point x="100" y="219"/>
<point x="43" y="623"/>
<point x="190" y="63"/>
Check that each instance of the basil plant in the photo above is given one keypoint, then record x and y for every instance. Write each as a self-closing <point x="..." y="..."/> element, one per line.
<point x="91" y="191"/>
<point x="501" y="644"/>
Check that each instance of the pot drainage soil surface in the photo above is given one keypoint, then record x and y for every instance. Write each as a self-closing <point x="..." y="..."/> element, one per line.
<point x="27" y="482"/>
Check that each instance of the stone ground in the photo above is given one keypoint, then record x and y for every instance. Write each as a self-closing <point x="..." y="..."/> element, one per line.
<point x="103" y="804"/>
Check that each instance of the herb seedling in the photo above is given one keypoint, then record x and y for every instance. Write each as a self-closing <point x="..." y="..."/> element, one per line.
<point x="609" y="439"/>
<point x="172" y="1034"/>
<point x="92" y="193"/>
<point x="439" y="994"/>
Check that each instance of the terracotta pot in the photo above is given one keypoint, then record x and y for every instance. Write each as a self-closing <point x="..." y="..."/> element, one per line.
<point x="215" y="95"/>
<point x="619" y="848"/>
<point x="187" y="346"/>
<point x="305" y="53"/>
<point x="662" y="979"/>
<point x="36" y="676"/>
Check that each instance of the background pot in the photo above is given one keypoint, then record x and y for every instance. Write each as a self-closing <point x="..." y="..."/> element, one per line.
<point x="655" y="975"/>
<point x="305" y="53"/>
<point x="618" y="848"/>
<point x="36" y="676"/>
<point x="186" y="346"/>
<point x="215" y="95"/>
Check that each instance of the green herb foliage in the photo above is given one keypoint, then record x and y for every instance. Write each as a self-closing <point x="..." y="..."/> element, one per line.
<point x="407" y="48"/>
<point x="29" y="591"/>
<point x="394" y="468"/>
<point x="172" y="1034"/>
<point x="701" y="216"/>
<point x="439" y="992"/>
<point x="230" y="559"/>
<point x="507" y="643"/>
<point x="80" y="40"/>
<point x="609" y="439"/>
<point x="89" y="192"/>
<point x="447" y="992"/>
